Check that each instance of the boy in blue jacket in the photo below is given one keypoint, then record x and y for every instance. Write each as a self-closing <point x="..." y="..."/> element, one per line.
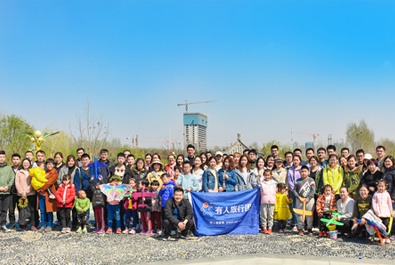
<point x="166" y="191"/>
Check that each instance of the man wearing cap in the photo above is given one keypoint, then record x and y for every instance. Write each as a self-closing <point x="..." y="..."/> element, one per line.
<point x="252" y="154"/>
<point x="190" y="154"/>
<point x="218" y="159"/>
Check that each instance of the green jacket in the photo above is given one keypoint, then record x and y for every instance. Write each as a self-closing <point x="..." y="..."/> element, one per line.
<point x="7" y="178"/>
<point x="82" y="204"/>
<point x="352" y="179"/>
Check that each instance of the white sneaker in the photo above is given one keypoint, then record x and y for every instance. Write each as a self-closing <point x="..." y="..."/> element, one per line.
<point x="295" y="229"/>
<point x="125" y="231"/>
<point x="159" y="232"/>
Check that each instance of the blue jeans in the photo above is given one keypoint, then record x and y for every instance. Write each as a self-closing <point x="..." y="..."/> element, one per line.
<point x="113" y="212"/>
<point x="129" y="215"/>
<point x="293" y="205"/>
<point x="46" y="218"/>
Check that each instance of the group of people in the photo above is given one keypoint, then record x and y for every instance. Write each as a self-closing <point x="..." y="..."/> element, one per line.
<point x="325" y="183"/>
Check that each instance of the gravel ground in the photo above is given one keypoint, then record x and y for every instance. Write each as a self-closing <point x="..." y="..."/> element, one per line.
<point x="56" y="248"/>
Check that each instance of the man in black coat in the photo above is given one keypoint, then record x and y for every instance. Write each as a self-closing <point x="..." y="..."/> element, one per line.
<point x="178" y="213"/>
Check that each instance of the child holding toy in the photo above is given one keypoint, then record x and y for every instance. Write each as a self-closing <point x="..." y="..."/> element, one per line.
<point x="130" y="206"/>
<point x="113" y="210"/>
<point x="325" y="202"/>
<point x="382" y="205"/>
<point x="281" y="210"/>
<point x="98" y="203"/>
<point x="268" y="200"/>
<point x="145" y="211"/>
<point x="156" y="208"/>
<point x="304" y="190"/>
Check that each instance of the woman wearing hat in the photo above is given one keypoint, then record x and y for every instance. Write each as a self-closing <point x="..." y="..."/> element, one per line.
<point x="157" y="167"/>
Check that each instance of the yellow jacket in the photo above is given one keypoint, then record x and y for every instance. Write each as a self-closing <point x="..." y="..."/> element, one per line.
<point x="333" y="177"/>
<point x="281" y="211"/>
<point x="152" y="176"/>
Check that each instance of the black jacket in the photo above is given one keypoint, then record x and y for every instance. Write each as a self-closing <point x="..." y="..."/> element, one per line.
<point x="98" y="198"/>
<point x="139" y="176"/>
<point x="184" y="211"/>
<point x="389" y="177"/>
<point x="371" y="179"/>
<point x="126" y="176"/>
<point x="147" y="201"/>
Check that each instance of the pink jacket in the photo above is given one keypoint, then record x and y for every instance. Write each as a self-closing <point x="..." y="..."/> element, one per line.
<point x="382" y="205"/>
<point x="268" y="191"/>
<point x="23" y="183"/>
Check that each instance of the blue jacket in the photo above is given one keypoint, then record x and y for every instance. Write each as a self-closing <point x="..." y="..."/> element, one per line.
<point x="231" y="182"/>
<point x="209" y="180"/>
<point x="81" y="180"/>
<point x="167" y="192"/>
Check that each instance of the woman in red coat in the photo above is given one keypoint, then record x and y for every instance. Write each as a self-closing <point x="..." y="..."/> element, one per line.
<point x="64" y="199"/>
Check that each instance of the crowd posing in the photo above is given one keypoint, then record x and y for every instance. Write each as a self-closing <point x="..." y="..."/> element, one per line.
<point x="348" y="185"/>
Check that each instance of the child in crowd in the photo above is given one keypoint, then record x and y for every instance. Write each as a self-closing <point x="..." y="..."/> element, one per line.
<point x="82" y="205"/>
<point x="39" y="178"/>
<point x="187" y="181"/>
<point x="281" y="210"/>
<point x="156" y="208"/>
<point x="145" y="211"/>
<point x="382" y="205"/>
<point x="130" y="206"/>
<point x="65" y="197"/>
<point x="113" y="210"/>
<point x="304" y="190"/>
<point x="98" y="203"/>
<point x="177" y="172"/>
<point x="325" y="201"/>
<point x="268" y="200"/>
<point x="167" y="190"/>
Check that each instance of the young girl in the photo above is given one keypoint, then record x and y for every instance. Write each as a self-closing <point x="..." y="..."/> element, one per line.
<point x="268" y="200"/>
<point x="98" y="203"/>
<point x="177" y="171"/>
<point x="281" y="211"/>
<point x="145" y="211"/>
<point x="65" y="198"/>
<point x="131" y="210"/>
<point x="325" y="201"/>
<point x="382" y="205"/>
<point x="156" y="208"/>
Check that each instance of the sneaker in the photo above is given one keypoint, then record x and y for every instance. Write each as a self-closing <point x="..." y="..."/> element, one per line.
<point x="63" y="231"/>
<point x="12" y="226"/>
<point x="310" y="232"/>
<point x="143" y="232"/>
<point x="301" y="233"/>
<point x="79" y="230"/>
<point x="280" y="230"/>
<point x="295" y="229"/>
<point x="118" y="231"/>
<point x="101" y="231"/>
<point x="132" y="231"/>
<point x="321" y="234"/>
<point x="159" y="232"/>
<point x="95" y="231"/>
<point x="269" y="231"/>
<point x="387" y="241"/>
<point x="85" y="230"/>
<point x="51" y="196"/>
<point x="33" y="228"/>
<point x="42" y="229"/>
<point x="166" y="238"/>
<point x="148" y="233"/>
<point x="182" y="236"/>
<point x="325" y="233"/>
<point x="5" y="229"/>
<point x="125" y="231"/>
<point x="315" y="229"/>
<point x="48" y="229"/>
<point x="265" y="231"/>
<point x="109" y="231"/>
<point x="68" y="230"/>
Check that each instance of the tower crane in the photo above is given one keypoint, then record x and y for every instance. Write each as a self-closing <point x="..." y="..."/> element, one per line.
<point x="188" y="103"/>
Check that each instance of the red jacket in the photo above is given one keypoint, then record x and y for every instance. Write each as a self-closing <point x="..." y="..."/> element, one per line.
<point x="67" y="194"/>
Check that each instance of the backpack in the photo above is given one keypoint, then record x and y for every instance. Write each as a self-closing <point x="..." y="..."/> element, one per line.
<point x="24" y="216"/>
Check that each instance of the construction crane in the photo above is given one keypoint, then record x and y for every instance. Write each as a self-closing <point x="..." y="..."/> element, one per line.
<point x="188" y="103"/>
<point x="314" y="135"/>
<point x="137" y="139"/>
<point x="343" y="139"/>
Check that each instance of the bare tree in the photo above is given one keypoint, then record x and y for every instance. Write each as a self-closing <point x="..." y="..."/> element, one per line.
<point x="90" y="131"/>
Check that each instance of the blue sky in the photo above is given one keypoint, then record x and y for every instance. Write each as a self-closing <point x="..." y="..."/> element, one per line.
<point x="314" y="66"/>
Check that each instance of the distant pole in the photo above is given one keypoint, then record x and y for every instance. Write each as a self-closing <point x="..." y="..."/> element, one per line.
<point x="292" y="140"/>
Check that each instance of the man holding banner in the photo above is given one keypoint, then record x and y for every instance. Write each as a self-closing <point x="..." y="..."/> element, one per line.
<point x="178" y="215"/>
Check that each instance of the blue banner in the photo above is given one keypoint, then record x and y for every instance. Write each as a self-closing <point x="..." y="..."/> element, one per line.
<point x="219" y="213"/>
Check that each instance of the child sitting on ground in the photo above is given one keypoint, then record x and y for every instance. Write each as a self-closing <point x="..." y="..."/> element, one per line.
<point x="82" y="205"/>
<point x="145" y="211"/>
<point x="304" y="192"/>
<point x="65" y="197"/>
<point x="98" y="203"/>
<point x="325" y="201"/>
<point x="156" y="208"/>
<point x="382" y="204"/>
<point x="130" y="206"/>
<point x="268" y="200"/>
<point x="281" y="210"/>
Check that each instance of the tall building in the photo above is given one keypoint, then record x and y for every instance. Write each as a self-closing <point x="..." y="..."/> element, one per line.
<point x="195" y="130"/>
